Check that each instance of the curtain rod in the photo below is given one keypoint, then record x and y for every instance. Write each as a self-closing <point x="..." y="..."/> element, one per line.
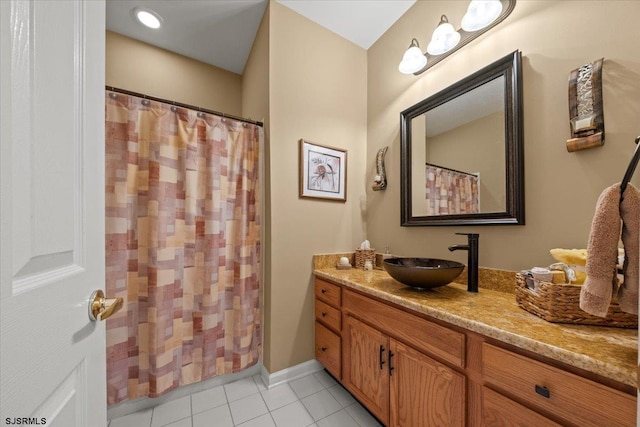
<point x="452" y="170"/>
<point x="179" y="104"/>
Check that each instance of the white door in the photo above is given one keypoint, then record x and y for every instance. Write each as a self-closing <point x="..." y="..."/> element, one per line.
<point x="52" y="212"/>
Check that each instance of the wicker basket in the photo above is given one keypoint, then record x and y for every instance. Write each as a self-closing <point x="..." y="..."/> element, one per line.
<point x="560" y="303"/>
<point x="363" y="255"/>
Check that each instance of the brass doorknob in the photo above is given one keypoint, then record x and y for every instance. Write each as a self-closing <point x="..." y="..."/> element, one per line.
<point x="100" y="307"/>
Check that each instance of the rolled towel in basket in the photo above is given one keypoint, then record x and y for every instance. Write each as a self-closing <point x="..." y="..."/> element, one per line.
<point x="602" y="252"/>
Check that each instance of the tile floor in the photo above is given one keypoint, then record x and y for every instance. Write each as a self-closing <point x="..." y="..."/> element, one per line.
<point x="314" y="400"/>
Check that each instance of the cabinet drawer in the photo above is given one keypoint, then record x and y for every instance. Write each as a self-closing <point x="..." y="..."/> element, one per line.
<point x="328" y="350"/>
<point x="577" y="400"/>
<point x="415" y="331"/>
<point x="498" y="410"/>
<point x="328" y="292"/>
<point x="328" y="315"/>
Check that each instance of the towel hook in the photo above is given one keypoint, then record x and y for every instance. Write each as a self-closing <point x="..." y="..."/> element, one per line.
<point x="630" y="169"/>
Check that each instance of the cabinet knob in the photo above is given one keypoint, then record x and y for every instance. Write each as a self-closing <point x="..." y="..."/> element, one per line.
<point x="323" y="349"/>
<point x="324" y="314"/>
<point x="324" y="291"/>
<point x="543" y="391"/>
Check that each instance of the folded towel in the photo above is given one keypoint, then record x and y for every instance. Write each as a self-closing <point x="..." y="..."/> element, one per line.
<point x="574" y="258"/>
<point x="602" y="252"/>
<point x="570" y="256"/>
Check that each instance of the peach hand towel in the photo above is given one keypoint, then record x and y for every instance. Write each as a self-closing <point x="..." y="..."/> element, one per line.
<point x="602" y="252"/>
<point x="630" y="213"/>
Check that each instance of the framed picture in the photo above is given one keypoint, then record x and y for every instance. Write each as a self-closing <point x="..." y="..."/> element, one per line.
<point x="323" y="172"/>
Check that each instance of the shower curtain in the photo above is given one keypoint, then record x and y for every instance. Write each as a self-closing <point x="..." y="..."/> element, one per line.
<point x="451" y="192"/>
<point x="182" y="246"/>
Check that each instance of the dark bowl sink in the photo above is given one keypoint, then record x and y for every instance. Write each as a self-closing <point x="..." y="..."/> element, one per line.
<point x="423" y="273"/>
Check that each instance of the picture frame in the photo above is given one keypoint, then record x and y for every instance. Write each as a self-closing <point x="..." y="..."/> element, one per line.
<point x="323" y="172"/>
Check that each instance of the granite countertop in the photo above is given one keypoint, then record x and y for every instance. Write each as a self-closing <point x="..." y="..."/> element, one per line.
<point x="610" y="352"/>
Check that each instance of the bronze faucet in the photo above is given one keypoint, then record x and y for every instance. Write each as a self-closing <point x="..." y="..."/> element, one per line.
<point x="472" y="259"/>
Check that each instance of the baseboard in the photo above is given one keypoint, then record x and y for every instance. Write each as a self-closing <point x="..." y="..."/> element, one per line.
<point x="289" y="374"/>
<point x="131" y="406"/>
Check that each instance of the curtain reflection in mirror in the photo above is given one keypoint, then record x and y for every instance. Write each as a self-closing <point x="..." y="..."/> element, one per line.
<point x="451" y="192"/>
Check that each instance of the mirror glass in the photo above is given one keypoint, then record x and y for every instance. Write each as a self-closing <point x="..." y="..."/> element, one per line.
<point x="461" y="151"/>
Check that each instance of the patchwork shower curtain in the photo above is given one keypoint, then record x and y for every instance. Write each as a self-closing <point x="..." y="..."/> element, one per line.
<point x="451" y="192"/>
<point x="182" y="246"/>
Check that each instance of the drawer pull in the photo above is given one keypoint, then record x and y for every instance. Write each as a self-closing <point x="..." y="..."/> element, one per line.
<point x="323" y="349"/>
<point x="381" y="358"/>
<point x="324" y="314"/>
<point x="324" y="291"/>
<point x="543" y="391"/>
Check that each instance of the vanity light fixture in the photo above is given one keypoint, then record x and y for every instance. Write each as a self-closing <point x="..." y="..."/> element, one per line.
<point x="481" y="16"/>
<point x="413" y="59"/>
<point x="444" y="38"/>
<point x="147" y="17"/>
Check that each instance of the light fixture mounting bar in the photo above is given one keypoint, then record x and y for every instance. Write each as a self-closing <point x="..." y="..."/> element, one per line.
<point x="467" y="37"/>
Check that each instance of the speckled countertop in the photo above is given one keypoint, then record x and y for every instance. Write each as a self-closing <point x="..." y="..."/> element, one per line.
<point x="610" y="352"/>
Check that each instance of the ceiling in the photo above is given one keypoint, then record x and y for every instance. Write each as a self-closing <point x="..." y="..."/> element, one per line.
<point x="221" y="32"/>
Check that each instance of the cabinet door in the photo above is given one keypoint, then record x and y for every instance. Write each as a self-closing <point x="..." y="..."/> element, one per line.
<point x="365" y="369"/>
<point x="424" y="392"/>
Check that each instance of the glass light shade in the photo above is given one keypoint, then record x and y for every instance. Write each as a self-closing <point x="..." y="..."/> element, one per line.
<point x="444" y="38"/>
<point x="148" y="18"/>
<point x="480" y="14"/>
<point x="413" y="60"/>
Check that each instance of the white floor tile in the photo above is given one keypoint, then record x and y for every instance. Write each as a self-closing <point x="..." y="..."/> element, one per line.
<point x="240" y="389"/>
<point x="339" y="419"/>
<point x="292" y="415"/>
<point x="362" y="416"/>
<point x="315" y="400"/>
<point x="138" y="419"/>
<point x="248" y="408"/>
<point x="216" y="417"/>
<point x="262" y="421"/>
<point x="279" y="396"/>
<point x="185" y="422"/>
<point x="321" y="405"/>
<point x="258" y="380"/>
<point x="306" y="386"/>
<point x="325" y="379"/>
<point x="343" y="397"/>
<point x="171" y="411"/>
<point x="208" y="399"/>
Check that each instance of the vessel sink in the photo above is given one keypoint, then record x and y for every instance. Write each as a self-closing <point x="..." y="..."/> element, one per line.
<point x="423" y="273"/>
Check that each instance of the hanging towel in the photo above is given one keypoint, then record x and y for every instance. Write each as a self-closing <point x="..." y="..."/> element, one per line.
<point x="602" y="252"/>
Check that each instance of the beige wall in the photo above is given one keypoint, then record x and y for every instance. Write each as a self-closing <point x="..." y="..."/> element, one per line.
<point x="474" y="147"/>
<point x="561" y="188"/>
<point x="317" y="92"/>
<point x="146" y="69"/>
<point x="255" y="104"/>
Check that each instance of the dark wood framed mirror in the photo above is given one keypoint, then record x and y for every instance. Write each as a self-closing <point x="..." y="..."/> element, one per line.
<point x="461" y="151"/>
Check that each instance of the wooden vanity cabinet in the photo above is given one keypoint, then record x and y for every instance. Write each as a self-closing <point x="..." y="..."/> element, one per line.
<point x="411" y="371"/>
<point x="400" y="385"/>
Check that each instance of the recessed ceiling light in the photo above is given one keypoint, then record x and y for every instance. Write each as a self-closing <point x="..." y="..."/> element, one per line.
<point x="147" y="17"/>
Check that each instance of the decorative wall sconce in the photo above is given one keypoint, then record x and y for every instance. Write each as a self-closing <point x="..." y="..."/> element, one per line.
<point x="586" y="113"/>
<point x="380" y="181"/>
<point x="481" y="16"/>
